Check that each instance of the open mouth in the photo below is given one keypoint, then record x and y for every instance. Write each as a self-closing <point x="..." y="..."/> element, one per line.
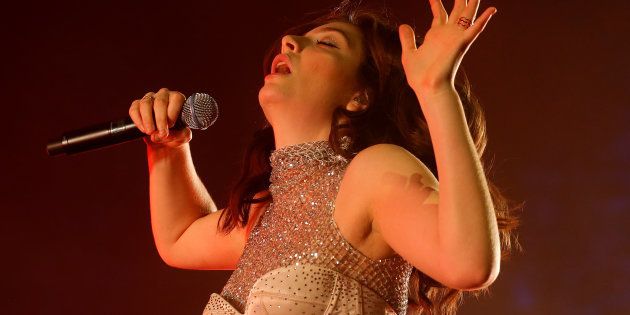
<point x="283" y="68"/>
<point x="281" y="65"/>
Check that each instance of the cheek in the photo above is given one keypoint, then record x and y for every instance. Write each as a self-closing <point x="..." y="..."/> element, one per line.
<point x="329" y="74"/>
<point x="323" y="66"/>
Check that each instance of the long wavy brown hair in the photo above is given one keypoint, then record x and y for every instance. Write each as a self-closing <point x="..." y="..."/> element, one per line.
<point x="393" y="116"/>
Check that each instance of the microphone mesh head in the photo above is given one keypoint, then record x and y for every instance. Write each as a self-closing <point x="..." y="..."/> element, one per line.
<point x="200" y="111"/>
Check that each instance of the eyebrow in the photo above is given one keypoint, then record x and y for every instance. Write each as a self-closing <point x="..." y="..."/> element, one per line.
<point x="336" y="30"/>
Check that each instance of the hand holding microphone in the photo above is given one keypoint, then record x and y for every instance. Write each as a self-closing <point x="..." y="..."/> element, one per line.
<point x="155" y="113"/>
<point x="162" y="118"/>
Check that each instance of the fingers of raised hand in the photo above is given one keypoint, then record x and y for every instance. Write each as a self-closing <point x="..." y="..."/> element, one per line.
<point x="458" y="8"/>
<point x="464" y="15"/>
<point x="472" y="8"/>
<point x="407" y="38"/>
<point x="461" y="9"/>
<point x="439" y="13"/>
<point x="481" y="22"/>
<point x="464" y="9"/>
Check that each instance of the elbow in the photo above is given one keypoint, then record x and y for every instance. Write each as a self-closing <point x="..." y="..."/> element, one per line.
<point x="474" y="278"/>
<point x="475" y="272"/>
<point x="167" y="260"/>
<point x="480" y="281"/>
<point x="172" y="262"/>
<point x="163" y="252"/>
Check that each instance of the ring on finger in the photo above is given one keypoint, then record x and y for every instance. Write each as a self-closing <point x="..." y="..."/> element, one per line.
<point x="464" y="22"/>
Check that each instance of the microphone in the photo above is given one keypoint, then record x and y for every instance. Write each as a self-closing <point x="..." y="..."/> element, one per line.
<point x="199" y="111"/>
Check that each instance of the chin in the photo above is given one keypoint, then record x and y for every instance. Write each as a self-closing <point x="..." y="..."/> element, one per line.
<point x="268" y="95"/>
<point x="265" y="94"/>
<point x="267" y="112"/>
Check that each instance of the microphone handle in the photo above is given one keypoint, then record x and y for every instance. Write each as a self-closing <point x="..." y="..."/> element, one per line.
<point x="98" y="136"/>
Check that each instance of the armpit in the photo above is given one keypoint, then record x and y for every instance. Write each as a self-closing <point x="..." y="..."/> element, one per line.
<point x="432" y="199"/>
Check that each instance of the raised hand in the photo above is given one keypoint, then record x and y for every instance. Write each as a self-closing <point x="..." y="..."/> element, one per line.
<point x="432" y="66"/>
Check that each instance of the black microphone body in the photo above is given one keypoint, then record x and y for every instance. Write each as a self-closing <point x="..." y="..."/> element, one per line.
<point x="98" y="136"/>
<point x="199" y="112"/>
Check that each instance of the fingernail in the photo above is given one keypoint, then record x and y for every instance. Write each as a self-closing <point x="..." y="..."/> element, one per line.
<point x="162" y="133"/>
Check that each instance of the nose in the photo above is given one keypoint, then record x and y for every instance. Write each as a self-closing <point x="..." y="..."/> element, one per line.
<point x="290" y="43"/>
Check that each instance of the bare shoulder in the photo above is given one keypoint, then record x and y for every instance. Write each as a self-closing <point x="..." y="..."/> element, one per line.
<point x="376" y="177"/>
<point x="383" y="163"/>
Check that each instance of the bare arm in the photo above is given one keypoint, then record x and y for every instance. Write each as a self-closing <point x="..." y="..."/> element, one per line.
<point x="449" y="231"/>
<point x="183" y="215"/>
<point x="459" y="238"/>
<point x="177" y="195"/>
<point x="467" y="226"/>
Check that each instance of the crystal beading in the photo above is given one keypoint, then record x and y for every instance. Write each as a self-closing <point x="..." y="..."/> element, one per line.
<point x="297" y="228"/>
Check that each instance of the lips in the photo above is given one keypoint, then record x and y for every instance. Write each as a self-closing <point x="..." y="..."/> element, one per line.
<point x="279" y="61"/>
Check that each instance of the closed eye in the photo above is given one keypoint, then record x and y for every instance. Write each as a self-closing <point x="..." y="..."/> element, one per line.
<point x="326" y="43"/>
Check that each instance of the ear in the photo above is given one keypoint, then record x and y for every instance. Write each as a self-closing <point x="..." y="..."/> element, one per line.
<point x="359" y="102"/>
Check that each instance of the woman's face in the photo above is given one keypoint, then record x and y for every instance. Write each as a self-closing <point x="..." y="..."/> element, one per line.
<point x="315" y="73"/>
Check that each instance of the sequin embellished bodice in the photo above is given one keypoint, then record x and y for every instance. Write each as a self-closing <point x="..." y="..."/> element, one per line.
<point x="297" y="229"/>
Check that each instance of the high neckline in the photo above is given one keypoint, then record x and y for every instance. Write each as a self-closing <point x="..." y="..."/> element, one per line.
<point x="292" y="164"/>
<point x="302" y="153"/>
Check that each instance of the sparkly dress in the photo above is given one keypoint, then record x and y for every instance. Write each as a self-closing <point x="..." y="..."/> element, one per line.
<point x="296" y="261"/>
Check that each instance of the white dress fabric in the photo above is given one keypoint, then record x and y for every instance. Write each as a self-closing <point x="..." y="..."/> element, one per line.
<point x="304" y="289"/>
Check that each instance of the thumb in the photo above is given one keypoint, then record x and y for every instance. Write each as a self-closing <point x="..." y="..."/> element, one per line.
<point x="180" y="134"/>
<point x="175" y="136"/>
<point x="407" y="37"/>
